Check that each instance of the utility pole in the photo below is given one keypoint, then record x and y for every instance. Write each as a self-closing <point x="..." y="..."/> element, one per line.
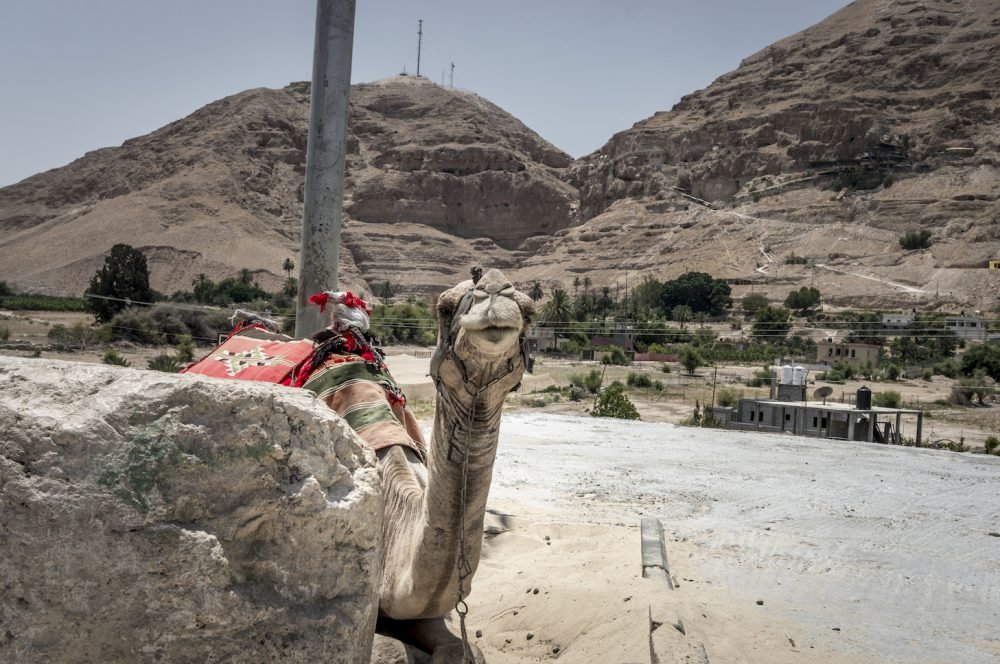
<point x="420" y="38"/>
<point x="451" y="76"/>
<point x="326" y="153"/>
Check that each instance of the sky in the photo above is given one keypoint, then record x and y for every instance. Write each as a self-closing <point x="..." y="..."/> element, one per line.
<point x="77" y="75"/>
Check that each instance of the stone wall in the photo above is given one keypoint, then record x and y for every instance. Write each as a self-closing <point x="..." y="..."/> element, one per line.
<point x="154" y="517"/>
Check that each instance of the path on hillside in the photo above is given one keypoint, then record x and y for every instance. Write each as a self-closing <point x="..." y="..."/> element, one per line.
<point x="902" y="287"/>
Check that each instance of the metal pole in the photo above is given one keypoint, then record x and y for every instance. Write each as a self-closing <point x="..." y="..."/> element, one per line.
<point x="326" y="153"/>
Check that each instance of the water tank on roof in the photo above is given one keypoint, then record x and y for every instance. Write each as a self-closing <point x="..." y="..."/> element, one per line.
<point x="799" y="375"/>
<point x="786" y="375"/>
<point x="864" y="399"/>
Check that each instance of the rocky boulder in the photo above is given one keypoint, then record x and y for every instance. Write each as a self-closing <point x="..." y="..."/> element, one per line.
<point x="155" y="517"/>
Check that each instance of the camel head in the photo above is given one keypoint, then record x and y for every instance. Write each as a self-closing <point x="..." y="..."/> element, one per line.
<point x="483" y="322"/>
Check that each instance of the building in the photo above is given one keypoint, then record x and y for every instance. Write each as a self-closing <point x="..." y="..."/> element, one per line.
<point x="541" y="339"/>
<point x="896" y="325"/>
<point x="830" y="351"/>
<point x="819" y="419"/>
<point x="966" y="327"/>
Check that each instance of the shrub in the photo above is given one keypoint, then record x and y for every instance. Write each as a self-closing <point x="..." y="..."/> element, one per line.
<point x="665" y="368"/>
<point x="616" y="355"/>
<point x="916" y="240"/>
<point x="892" y="372"/>
<point x="658" y="385"/>
<point x="4" y="333"/>
<point x="887" y="399"/>
<point x="638" y="380"/>
<point x="699" y="419"/>
<point x="112" y="356"/>
<point x="590" y="381"/>
<point x="690" y="359"/>
<point x="167" y="363"/>
<point x="612" y="402"/>
<point x="992" y="443"/>
<point x="185" y="348"/>
<point x="78" y="336"/>
<point x="137" y="326"/>
<point x="728" y="396"/>
<point x="928" y="374"/>
<point x="949" y="368"/>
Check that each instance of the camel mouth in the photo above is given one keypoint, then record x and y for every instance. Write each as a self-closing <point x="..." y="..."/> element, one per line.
<point x="493" y="334"/>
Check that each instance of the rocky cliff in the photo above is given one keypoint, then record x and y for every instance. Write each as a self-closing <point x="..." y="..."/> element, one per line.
<point x="155" y="517"/>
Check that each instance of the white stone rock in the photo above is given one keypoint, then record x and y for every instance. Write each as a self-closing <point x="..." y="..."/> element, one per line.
<point x="147" y="516"/>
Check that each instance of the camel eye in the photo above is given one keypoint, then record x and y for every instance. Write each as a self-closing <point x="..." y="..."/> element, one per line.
<point x="444" y="312"/>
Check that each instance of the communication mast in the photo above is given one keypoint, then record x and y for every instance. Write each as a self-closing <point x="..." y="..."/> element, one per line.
<point x="420" y="37"/>
<point x="451" y="76"/>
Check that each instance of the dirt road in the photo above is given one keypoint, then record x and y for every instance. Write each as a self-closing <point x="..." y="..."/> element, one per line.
<point x="785" y="548"/>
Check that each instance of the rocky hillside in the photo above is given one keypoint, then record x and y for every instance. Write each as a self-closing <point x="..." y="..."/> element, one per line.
<point x="893" y="98"/>
<point x="437" y="179"/>
<point x="805" y="165"/>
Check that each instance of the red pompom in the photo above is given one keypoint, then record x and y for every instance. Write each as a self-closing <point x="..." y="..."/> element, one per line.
<point x="321" y="299"/>
<point x="354" y="302"/>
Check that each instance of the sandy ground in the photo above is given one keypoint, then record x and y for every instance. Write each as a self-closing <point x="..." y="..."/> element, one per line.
<point x="785" y="549"/>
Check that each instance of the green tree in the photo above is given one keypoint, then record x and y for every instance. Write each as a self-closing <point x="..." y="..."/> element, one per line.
<point x="681" y="314"/>
<point x="865" y="328"/>
<point x="613" y="402"/>
<point x="288" y="265"/>
<point x="246" y="277"/>
<point x="772" y="324"/>
<point x="753" y="303"/>
<point x="536" y="292"/>
<point x="697" y="290"/>
<point x="802" y="299"/>
<point x="122" y="280"/>
<point x="984" y="357"/>
<point x="558" y="309"/>
<point x="690" y="359"/>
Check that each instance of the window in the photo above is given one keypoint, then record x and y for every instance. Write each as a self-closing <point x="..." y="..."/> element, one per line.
<point x="829" y="351"/>
<point x="751" y="415"/>
<point x="852" y="352"/>
<point x="788" y="417"/>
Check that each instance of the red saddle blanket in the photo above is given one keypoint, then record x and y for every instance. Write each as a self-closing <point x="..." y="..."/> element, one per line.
<point x="254" y="354"/>
<point x="356" y="385"/>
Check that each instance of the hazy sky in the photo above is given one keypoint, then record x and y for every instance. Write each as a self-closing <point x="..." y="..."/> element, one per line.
<point x="76" y="75"/>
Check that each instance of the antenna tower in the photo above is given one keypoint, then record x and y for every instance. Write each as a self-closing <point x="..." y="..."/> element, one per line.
<point x="420" y="37"/>
<point x="451" y="76"/>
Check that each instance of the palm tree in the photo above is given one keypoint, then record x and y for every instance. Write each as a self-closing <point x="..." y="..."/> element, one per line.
<point x="558" y="309"/>
<point x="246" y="277"/>
<point x="605" y="301"/>
<point x="576" y="286"/>
<point x="536" y="292"/>
<point x="288" y="266"/>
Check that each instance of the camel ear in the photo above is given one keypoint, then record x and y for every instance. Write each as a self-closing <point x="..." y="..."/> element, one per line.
<point x="527" y="306"/>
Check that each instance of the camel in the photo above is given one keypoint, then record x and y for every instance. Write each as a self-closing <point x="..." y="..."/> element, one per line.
<point x="432" y="518"/>
<point x="432" y="514"/>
